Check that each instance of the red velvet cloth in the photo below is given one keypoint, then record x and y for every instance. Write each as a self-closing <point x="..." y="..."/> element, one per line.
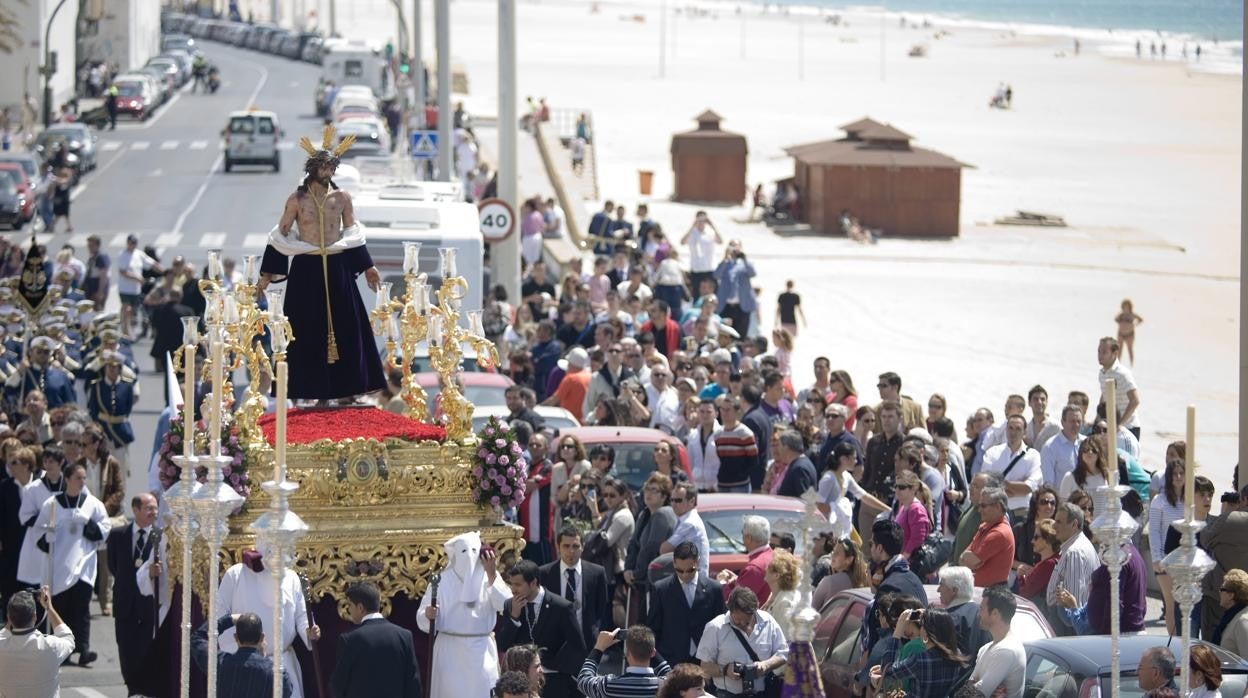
<point x="305" y="426"/>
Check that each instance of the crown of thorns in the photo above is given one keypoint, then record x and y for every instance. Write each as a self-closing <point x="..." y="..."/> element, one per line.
<point x="327" y="151"/>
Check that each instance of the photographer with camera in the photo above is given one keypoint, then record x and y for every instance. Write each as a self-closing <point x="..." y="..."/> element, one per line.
<point x="733" y="647"/>
<point x="736" y="296"/>
<point x="642" y="677"/>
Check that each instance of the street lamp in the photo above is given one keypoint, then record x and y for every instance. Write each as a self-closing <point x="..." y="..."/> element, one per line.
<point x="48" y="68"/>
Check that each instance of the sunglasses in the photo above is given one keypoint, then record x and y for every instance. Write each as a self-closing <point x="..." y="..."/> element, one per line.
<point x="1048" y="502"/>
<point x="567" y="446"/>
<point x="833" y="416"/>
<point x="678" y="501"/>
<point x="614" y="351"/>
<point x="685" y="573"/>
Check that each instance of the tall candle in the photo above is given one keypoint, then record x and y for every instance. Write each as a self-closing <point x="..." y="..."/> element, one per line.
<point x="218" y="394"/>
<point x="280" y="441"/>
<point x="1189" y="468"/>
<point x="411" y="257"/>
<point x="214" y="265"/>
<point x="231" y="309"/>
<point x="434" y="332"/>
<point x="188" y="400"/>
<point x="249" y="268"/>
<point x="449" y="267"/>
<point x="383" y="296"/>
<point x="1111" y="431"/>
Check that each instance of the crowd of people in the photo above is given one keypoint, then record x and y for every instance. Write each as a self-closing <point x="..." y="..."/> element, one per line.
<point x="639" y="339"/>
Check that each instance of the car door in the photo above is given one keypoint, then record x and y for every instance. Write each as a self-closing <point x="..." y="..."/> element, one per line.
<point x="836" y="645"/>
<point x="1048" y="677"/>
<point x="242" y="137"/>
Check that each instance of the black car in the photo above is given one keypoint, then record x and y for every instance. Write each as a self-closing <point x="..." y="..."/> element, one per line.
<point x="11" y="201"/>
<point x="1076" y="667"/>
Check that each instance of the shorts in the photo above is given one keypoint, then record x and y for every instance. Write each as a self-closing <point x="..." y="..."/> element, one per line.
<point x="132" y="300"/>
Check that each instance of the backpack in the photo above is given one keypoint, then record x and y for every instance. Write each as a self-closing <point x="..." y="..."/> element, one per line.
<point x="493" y="320"/>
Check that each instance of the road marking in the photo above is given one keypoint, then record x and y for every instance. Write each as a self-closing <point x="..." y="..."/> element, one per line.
<point x="165" y="240"/>
<point x="255" y="240"/>
<point x="87" y="692"/>
<point x="199" y="193"/>
<point x="139" y="145"/>
<point x="107" y="146"/>
<point x="118" y="240"/>
<point x="199" y="145"/>
<point x="212" y="240"/>
<point x="169" y="145"/>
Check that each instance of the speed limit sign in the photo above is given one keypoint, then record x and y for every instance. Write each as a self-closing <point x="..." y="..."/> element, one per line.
<point x="498" y="219"/>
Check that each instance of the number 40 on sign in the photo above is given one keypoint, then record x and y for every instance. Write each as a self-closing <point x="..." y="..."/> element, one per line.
<point x="498" y="219"/>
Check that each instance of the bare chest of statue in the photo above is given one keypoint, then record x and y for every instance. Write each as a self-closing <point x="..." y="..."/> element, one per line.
<point x="317" y="210"/>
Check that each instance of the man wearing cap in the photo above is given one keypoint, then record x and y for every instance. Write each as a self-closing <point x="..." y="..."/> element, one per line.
<point x="335" y="355"/>
<point x="110" y="399"/>
<point x="570" y="395"/>
<point x="131" y="264"/>
<point x="39" y="372"/>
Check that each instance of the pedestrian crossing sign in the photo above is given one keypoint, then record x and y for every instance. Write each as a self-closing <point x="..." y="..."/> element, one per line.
<point x="425" y="145"/>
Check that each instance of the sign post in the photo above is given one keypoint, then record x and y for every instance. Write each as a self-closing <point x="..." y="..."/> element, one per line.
<point x="498" y="220"/>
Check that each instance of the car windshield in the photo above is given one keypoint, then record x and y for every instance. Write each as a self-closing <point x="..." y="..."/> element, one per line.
<point x="242" y="124"/>
<point x="723" y="527"/>
<point x="8" y="183"/>
<point x="129" y="89"/>
<point x="633" y="462"/>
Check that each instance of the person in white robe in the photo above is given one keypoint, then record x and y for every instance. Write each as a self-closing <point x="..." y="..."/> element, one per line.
<point x="470" y="595"/>
<point x="70" y="527"/>
<point x="32" y="569"/>
<point x="244" y="588"/>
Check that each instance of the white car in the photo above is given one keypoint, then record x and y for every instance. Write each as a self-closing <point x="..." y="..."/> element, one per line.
<point x="251" y="138"/>
<point x="367" y="130"/>
<point x="556" y="418"/>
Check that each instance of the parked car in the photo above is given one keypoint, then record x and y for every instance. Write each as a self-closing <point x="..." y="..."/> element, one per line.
<point x="25" y="187"/>
<point x="180" y="42"/>
<point x="836" y="636"/>
<point x="78" y="138"/>
<point x="156" y="87"/>
<point x="184" y="60"/>
<point x="1078" y="667"/>
<point x="171" y="68"/>
<point x="168" y="83"/>
<point x="721" y="513"/>
<point x="467" y="362"/>
<point x="634" y="449"/>
<point x="28" y="162"/>
<point x="484" y="389"/>
<point x="311" y="52"/>
<point x="135" y="97"/>
<point x="273" y="42"/>
<point x="251" y="138"/>
<point x="11" y="201"/>
<point x="556" y="418"/>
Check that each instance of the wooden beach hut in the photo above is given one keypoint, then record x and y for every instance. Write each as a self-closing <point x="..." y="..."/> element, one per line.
<point x="709" y="163"/>
<point x="882" y="179"/>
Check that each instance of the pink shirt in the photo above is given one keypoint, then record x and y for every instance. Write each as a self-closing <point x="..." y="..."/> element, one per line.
<point x="915" y="525"/>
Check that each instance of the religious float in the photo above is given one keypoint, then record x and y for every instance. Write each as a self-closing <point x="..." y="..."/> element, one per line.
<point x="338" y="494"/>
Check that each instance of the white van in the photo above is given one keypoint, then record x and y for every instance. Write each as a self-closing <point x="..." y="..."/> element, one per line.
<point x="357" y="64"/>
<point x="401" y="213"/>
<point x="251" y="138"/>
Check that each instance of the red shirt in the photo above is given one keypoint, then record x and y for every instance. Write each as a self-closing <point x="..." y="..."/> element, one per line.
<point x="1036" y="581"/>
<point x="751" y="576"/>
<point x="993" y="544"/>
<point x="571" y="392"/>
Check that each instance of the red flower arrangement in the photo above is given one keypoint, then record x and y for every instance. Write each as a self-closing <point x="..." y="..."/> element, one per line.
<point x="339" y="423"/>
<point x="499" y="467"/>
<point x="235" y="472"/>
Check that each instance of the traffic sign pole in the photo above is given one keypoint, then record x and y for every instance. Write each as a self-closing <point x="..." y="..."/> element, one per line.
<point x="505" y="256"/>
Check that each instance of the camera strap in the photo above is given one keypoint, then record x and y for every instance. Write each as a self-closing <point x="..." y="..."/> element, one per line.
<point x="745" y="643"/>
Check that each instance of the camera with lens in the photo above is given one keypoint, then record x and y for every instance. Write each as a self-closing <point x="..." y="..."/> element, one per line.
<point x="748" y="674"/>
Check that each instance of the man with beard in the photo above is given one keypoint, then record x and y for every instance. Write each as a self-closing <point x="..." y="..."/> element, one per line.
<point x="334" y="356"/>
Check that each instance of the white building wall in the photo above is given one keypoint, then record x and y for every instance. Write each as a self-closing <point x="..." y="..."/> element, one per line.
<point x="21" y="68"/>
<point x="128" y="33"/>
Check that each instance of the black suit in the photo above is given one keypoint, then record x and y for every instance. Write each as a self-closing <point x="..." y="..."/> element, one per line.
<point x="799" y="477"/>
<point x="595" y="606"/>
<point x="562" y="648"/>
<point x="134" y="615"/>
<point x="376" y="659"/>
<point x="674" y="623"/>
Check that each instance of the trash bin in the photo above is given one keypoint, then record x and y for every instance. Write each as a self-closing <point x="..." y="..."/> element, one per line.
<point x="645" y="181"/>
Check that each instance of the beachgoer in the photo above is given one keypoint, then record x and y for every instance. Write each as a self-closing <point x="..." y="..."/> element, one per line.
<point x="1127" y="320"/>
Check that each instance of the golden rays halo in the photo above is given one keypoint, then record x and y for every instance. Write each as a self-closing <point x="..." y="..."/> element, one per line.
<point x="327" y="142"/>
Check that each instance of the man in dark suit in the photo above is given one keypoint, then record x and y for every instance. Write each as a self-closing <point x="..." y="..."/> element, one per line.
<point x="377" y="658"/>
<point x="1226" y="539"/>
<point x="534" y="616"/>
<point x="134" y="615"/>
<point x="580" y="582"/>
<point x="886" y="540"/>
<point x="247" y="673"/>
<point x="682" y="605"/>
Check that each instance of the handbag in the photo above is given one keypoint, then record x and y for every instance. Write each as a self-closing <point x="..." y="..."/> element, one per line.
<point x="595" y="547"/>
<point x="771" y="682"/>
<point x="933" y="552"/>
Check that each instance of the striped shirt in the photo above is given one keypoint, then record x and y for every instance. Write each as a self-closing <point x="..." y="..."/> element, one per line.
<point x="635" y="682"/>
<point x="738" y="455"/>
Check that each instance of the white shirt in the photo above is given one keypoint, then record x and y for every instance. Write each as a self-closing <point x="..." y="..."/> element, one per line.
<point x="30" y="663"/>
<point x="702" y="250"/>
<point x="643" y="292"/>
<point x="1036" y="438"/>
<point x="1058" y="456"/>
<point x="134" y="262"/>
<point x="1075" y="565"/>
<point x="242" y="590"/>
<point x="690" y="528"/>
<point x="1090" y="485"/>
<point x="840" y="508"/>
<point x="1124" y="383"/>
<point x="720" y="646"/>
<point x="993" y="436"/>
<point x="703" y="460"/>
<point x="579" y="592"/>
<point x="73" y="556"/>
<point x="664" y="407"/>
<point x="1027" y="469"/>
<point x="1001" y="664"/>
<point x="669" y="273"/>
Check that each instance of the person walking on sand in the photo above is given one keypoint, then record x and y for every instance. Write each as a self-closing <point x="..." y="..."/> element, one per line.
<point x="789" y="309"/>
<point x="1127" y="321"/>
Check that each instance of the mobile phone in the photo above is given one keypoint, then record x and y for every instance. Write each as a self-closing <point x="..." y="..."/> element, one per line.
<point x="591" y="492"/>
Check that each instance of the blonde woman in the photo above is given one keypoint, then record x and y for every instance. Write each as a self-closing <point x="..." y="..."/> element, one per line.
<point x="781" y="577"/>
<point x="1232" y="631"/>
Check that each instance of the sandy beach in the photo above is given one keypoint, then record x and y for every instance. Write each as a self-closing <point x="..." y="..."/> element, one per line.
<point x="1141" y="157"/>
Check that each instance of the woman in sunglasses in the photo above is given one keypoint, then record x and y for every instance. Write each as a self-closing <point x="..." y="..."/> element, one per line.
<point x="849" y="571"/>
<point x="914" y="507"/>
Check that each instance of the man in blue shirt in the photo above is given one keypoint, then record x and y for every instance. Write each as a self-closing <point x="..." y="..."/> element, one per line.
<point x="247" y="673"/>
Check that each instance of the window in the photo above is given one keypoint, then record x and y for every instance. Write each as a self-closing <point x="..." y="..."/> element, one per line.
<point x="266" y="126"/>
<point x="845" y="647"/>
<point x="242" y="124"/>
<point x="353" y="68"/>
<point x="827" y="626"/>
<point x="1046" y="679"/>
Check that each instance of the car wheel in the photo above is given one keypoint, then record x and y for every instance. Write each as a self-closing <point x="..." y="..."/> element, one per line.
<point x="277" y="163"/>
<point x="228" y="164"/>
